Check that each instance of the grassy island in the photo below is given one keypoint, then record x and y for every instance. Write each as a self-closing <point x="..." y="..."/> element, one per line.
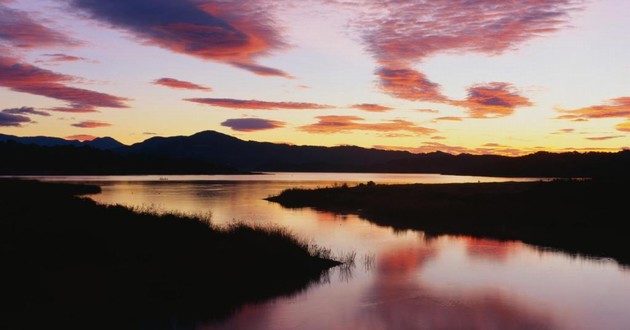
<point x="67" y="261"/>
<point x="587" y="217"/>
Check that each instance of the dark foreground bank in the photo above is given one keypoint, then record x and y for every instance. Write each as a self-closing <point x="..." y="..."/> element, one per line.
<point x="587" y="217"/>
<point x="68" y="262"/>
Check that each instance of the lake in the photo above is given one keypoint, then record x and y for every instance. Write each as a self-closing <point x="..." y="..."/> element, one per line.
<point x="400" y="279"/>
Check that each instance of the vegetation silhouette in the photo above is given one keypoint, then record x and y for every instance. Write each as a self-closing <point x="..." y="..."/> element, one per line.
<point x="69" y="262"/>
<point x="586" y="217"/>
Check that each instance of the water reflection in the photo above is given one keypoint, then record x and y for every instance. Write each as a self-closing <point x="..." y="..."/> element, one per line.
<point x="410" y="281"/>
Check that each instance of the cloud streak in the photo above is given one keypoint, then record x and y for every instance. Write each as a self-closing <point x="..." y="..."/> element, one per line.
<point x="180" y="84"/>
<point x="252" y="124"/>
<point x="26" y="111"/>
<point x="236" y="33"/>
<point x="257" y="105"/>
<point x="26" y="78"/>
<point x="370" y="107"/>
<point x="346" y="124"/>
<point x="18" y="29"/>
<point x="91" y="124"/>
<point x="614" y="108"/>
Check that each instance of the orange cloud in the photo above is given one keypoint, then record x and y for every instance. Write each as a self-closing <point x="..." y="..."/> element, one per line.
<point x="615" y="108"/>
<point x="252" y="124"/>
<point x="232" y="32"/>
<point x="91" y="124"/>
<point x="81" y="137"/>
<point x="448" y="118"/>
<point x="624" y="127"/>
<point x="258" y="105"/>
<point x="174" y="83"/>
<point x="344" y="124"/>
<point x="409" y="84"/>
<point x="371" y="107"/>
<point x="30" y="79"/>
<point x="497" y="99"/>
<point x="20" y="30"/>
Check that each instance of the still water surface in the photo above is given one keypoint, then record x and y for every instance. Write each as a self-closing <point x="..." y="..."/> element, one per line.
<point x="401" y="280"/>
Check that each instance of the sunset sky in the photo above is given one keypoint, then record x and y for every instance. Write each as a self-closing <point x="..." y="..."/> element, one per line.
<point x="478" y="76"/>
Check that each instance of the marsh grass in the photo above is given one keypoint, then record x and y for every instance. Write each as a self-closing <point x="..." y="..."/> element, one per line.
<point x="68" y="259"/>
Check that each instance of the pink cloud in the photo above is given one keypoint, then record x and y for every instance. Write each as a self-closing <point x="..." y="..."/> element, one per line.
<point x="258" y="105"/>
<point x="26" y="78"/>
<point x="233" y="32"/>
<point x="91" y="124"/>
<point x="20" y="30"/>
<point x="252" y="124"/>
<point x="60" y="58"/>
<point x="344" y="124"/>
<point x="614" y="108"/>
<point x="174" y="83"/>
<point x="399" y="34"/>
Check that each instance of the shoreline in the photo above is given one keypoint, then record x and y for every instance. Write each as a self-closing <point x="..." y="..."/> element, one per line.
<point x="579" y="217"/>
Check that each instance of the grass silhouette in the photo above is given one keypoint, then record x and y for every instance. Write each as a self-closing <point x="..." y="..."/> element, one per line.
<point x="67" y="260"/>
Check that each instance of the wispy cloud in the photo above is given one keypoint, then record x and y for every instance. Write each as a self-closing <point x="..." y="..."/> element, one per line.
<point x="257" y="104"/>
<point x="345" y="124"/>
<point x="370" y="107"/>
<point x="81" y="137"/>
<point x="26" y="78"/>
<point x="91" y="124"/>
<point x="488" y="148"/>
<point x="26" y="111"/>
<point x="18" y="29"/>
<point x="59" y="58"/>
<point x="614" y="108"/>
<point x="252" y="124"/>
<point x="497" y="99"/>
<point x="400" y="34"/>
<point x="603" y="138"/>
<point x="448" y="118"/>
<point x="180" y="84"/>
<point x="8" y="119"/>
<point x="232" y="32"/>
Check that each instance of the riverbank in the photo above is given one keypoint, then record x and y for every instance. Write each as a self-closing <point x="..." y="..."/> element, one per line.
<point x="69" y="261"/>
<point x="584" y="217"/>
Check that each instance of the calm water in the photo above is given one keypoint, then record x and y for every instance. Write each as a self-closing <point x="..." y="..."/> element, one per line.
<point x="401" y="280"/>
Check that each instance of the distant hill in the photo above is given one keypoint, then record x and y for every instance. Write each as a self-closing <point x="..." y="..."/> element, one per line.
<point x="69" y="159"/>
<point x="264" y="156"/>
<point x="104" y="143"/>
<point x="224" y="153"/>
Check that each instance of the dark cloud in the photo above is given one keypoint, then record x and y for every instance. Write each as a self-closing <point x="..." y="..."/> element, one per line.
<point x="252" y="124"/>
<point x="258" y="105"/>
<point x="235" y="33"/>
<point x="7" y="119"/>
<point x="25" y="111"/>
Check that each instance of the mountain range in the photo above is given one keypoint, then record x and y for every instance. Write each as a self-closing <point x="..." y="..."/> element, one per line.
<point x="209" y="151"/>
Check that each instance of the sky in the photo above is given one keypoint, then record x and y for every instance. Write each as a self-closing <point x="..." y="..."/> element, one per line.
<point x="458" y="76"/>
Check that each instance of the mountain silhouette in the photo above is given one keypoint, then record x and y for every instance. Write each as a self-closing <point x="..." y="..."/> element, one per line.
<point x="209" y="151"/>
